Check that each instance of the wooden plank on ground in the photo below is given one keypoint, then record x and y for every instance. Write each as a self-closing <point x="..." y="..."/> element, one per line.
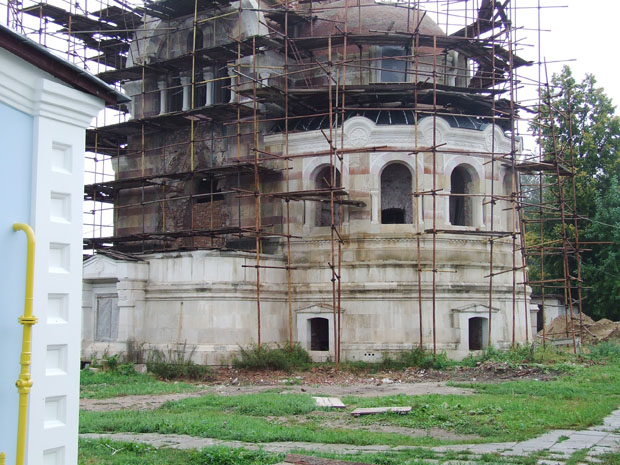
<point x="331" y="402"/>
<point x="293" y="459"/>
<point x="374" y="410"/>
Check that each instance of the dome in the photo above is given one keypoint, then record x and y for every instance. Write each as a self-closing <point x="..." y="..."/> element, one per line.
<point x="375" y="19"/>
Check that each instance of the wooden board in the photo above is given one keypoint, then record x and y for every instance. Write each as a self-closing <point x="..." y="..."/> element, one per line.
<point x="293" y="459"/>
<point x="330" y="402"/>
<point x="374" y="410"/>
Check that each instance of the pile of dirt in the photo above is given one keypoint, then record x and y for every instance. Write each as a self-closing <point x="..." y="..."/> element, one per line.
<point x="593" y="331"/>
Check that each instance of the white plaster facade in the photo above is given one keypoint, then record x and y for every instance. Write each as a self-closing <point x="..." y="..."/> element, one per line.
<point x="59" y="114"/>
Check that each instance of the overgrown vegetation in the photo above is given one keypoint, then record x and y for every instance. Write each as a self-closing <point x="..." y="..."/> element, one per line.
<point x="286" y="358"/>
<point x="176" y="364"/>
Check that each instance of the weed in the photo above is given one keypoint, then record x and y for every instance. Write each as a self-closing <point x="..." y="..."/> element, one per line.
<point x="604" y="351"/>
<point x="227" y="456"/>
<point x="418" y="358"/>
<point x="177" y="364"/>
<point x="577" y="457"/>
<point x="285" y="358"/>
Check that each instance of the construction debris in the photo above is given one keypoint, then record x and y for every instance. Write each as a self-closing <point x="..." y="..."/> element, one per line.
<point x="586" y="328"/>
<point x="329" y="402"/>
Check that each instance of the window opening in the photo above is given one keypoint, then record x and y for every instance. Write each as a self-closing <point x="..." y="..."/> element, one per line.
<point x="393" y="69"/>
<point x="319" y="334"/>
<point x="207" y="190"/>
<point x="396" y="189"/>
<point x="106" y="326"/>
<point x="323" y="181"/>
<point x="478" y="336"/>
<point x="461" y="184"/>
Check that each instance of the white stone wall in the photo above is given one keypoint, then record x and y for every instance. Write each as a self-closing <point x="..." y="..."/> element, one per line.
<point x="207" y="299"/>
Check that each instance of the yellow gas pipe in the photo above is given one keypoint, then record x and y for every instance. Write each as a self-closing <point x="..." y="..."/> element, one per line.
<point x="24" y="383"/>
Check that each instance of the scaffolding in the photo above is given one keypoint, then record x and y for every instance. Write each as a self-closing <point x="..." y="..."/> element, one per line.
<point x="218" y="87"/>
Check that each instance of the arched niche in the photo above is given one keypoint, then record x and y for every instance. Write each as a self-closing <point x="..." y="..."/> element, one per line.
<point x="396" y="194"/>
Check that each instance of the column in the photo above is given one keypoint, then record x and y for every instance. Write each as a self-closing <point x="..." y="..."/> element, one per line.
<point x="163" y="96"/>
<point x="209" y="75"/>
<point x="186" y="82"/>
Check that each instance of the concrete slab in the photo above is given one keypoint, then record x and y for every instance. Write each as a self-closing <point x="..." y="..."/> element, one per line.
<point x="329" y="402"/>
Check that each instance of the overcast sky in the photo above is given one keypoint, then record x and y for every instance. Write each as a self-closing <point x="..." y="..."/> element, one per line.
<point x="586" y="31"/>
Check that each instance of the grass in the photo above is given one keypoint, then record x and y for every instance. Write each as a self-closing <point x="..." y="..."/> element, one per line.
<point x="497" y="412"/>
<point x="610" y="459"/>
<point x="103" y="385"/>
<point x="106" y="452"/>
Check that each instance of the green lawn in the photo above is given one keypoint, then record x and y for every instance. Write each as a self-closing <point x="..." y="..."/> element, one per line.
<point x="497" y="412"/>
<point x="102" y="385"/>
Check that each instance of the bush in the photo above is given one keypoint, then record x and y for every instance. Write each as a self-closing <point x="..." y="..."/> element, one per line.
<point x="285" y="358"/>
<point x="523" y="355"/>
<point x="177" y="364"/>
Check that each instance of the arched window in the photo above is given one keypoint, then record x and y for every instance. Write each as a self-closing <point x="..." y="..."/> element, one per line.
<point x="323" y="181"/>
<point x="508" y="192"/>
<point x="461" y="204"/>
<point x="396" y="204"/>
<point x="199" y="40"/>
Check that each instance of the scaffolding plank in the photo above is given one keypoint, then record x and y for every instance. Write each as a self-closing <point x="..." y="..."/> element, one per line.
<point x="207" y="56"/>
<point x="168" y="9"/>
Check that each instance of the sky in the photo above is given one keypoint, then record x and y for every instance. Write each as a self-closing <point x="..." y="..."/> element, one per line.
<point x="586" y="32"/>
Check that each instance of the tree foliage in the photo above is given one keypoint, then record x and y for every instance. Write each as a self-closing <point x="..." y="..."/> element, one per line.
<point x="576" y="124"/>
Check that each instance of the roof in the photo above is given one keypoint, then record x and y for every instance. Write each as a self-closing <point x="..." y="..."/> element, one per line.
<point x="39" y="56"/>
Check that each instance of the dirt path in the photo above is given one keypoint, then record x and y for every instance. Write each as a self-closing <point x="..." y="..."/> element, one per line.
<point x="150" y="402"/>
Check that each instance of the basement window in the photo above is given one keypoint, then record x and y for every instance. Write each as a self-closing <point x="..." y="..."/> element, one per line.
<point x="396" y="190"/>
<point x="319" y="334"/>
<point x="478" y="333"/>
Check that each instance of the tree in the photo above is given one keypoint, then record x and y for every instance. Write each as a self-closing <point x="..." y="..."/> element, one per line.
<point x="576" y="124"/>
<point x="603" y="269"/>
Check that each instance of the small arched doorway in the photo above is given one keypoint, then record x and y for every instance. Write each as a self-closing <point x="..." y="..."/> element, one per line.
<point x="323" y="210"/>
<point x="396" y="191"/>
<point x="461" y="202"/>
<point x="319" y="334"/>
<point x="478" y="333"/>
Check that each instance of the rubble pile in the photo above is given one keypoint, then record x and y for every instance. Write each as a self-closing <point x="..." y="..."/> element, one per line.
<point x="593" y="331"/>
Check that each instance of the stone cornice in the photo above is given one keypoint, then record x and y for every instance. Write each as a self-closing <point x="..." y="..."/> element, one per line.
<point x="34" y="92"/>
